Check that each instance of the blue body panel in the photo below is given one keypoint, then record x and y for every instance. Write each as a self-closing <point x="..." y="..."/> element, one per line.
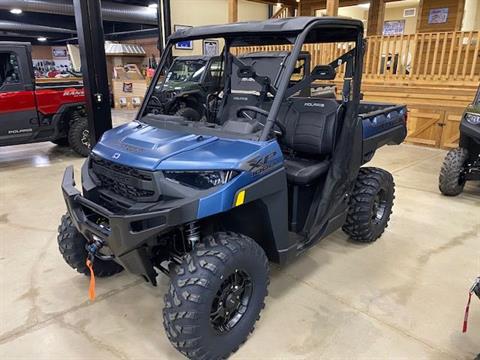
<point x="148" y="148"/>
<point x="376" y="125"/>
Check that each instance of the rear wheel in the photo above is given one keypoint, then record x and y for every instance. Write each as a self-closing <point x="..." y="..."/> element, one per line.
<point x="71" y="244"/>
<point x="79" y="136"/>
<point x="370" y="205"/>
<point x="215" y="296"/>
<point x="452" y="178"/>
<point x="189" y="113"/>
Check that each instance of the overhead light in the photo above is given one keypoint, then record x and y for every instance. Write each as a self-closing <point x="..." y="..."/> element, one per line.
<point x="16" y="11"/>
<point x="365" y="6"/>
<point x="153" y="6"/>
<point x="42" y="38"/>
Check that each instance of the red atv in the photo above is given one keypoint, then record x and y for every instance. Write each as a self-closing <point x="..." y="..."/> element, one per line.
<point x="39" y="110"/>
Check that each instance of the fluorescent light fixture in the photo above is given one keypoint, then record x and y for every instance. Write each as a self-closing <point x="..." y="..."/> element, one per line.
<point x="365" y="6"/>
<point x="153" y="6"/>
<point x="42" y="38"/>
<point x="16" y="11"/>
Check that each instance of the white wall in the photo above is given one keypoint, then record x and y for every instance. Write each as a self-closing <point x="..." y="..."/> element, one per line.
<point x="471" y="15"/>
<point x="210" y="12"/>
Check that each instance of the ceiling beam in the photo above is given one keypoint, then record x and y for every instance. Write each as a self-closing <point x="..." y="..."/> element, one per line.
<point x="332" y="7"/>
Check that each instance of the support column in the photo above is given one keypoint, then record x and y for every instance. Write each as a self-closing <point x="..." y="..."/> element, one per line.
<point x="91" y="38"/>
<point x="376" y="17"/>
<point x="332" y="7"/>
<point x="232" y="11"/>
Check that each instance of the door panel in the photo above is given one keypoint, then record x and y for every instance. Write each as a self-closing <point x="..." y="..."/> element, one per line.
<point x="18" y="113"/>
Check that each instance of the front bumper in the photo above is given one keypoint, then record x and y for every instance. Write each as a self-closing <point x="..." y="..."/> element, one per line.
<point x="125" y="234"/>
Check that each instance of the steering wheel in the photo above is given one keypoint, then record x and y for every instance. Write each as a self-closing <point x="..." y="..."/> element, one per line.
<point x="242" y="111"/>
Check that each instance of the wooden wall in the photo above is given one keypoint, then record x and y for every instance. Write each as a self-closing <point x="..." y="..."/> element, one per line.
<point x="42" y="52"/>
<point x="455" y="15"/>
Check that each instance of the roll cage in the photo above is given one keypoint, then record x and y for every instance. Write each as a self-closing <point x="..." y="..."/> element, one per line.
<point x="294" y="31"/>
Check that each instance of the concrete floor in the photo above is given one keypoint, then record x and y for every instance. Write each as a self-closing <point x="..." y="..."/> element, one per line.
<point x="402" y="297"/>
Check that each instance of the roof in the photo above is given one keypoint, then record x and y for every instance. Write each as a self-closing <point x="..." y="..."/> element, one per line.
<point x="275" y="27"/>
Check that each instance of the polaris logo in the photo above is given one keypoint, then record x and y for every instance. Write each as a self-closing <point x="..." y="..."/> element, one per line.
<point x="314" y="105"/>
<point x="116" y="156"/>
<point x="240" y="98"/>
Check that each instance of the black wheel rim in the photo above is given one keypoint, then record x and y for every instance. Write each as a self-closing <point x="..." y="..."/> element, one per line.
<point x="85" y="140"/>
<point x="379" y="206"/>
<point x="231" y="301"/>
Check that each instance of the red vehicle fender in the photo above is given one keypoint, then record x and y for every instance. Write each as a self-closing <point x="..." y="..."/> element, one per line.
<point x="49" y="101"/>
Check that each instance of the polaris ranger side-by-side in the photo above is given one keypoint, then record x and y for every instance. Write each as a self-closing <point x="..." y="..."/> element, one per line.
<point x="210" y="203"/>
<point x="463" y="163"/>
<point x="39" y="110"/>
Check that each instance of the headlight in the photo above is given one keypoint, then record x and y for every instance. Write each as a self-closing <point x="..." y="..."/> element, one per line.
<point x="472" y="119"/>
<point x="201" y="179"/>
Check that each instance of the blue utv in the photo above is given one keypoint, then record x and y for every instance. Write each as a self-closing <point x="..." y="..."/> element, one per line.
<point x="275" y="168"/>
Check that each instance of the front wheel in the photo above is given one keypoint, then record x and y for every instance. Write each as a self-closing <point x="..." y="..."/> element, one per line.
<point x="79" y="137"/>
<point x="215" y="296"/>
<point x="71" y="244"/>
<point x="452" y="180"/>
<point x="370" y="205"/>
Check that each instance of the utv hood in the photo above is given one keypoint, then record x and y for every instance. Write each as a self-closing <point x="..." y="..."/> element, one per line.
<point x="146" y="147"/>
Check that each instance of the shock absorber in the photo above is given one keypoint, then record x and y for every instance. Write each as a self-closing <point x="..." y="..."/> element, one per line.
<point x="75" y="117"/>
<point x="192" y="233"/>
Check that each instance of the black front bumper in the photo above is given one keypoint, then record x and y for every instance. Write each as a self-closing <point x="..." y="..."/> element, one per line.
<point x="127" y="234"/>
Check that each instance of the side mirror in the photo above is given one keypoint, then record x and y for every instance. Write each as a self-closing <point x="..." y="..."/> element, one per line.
<point x="323" y="72"/>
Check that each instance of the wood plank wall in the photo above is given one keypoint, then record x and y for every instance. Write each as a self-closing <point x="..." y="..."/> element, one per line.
<point x="454" y="20"/>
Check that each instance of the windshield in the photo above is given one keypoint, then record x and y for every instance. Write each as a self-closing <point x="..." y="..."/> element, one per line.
<point x="248" y="88"/>
<point x="186" y="70"/>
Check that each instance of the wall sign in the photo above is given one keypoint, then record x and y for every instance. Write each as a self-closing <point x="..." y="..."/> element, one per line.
<point x="183" y="45"/>
<point x="409" y="12"/>
<point x="127" y="87"/>
<point x="60" y="53"/>
<point x="210" y="47"/>
<point x="438" y="16"/>
<point x="393" y="27"/>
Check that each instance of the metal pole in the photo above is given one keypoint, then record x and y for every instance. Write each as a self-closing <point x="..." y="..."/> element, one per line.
<point x="167" y="19"/>
<point x="88" y="18"/>
<point x="161" y="40"/>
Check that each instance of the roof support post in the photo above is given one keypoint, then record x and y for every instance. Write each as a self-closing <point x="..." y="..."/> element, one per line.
<point x="332" y="7"/>
<point x="376" y="17"/>
<point x="232" y="11"/>
<point x="88" y="18"/>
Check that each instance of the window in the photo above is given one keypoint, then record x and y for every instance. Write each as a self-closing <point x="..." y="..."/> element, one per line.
<point x="9" y="69"/>
<point x="215" y="72"/>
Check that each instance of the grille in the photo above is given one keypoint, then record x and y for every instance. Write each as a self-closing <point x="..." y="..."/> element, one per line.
<point x="125" y="181"/>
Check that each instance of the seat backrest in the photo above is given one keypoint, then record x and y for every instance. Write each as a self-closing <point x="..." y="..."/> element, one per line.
<point x="310" y="125"/>
<point x="232" y="102"/>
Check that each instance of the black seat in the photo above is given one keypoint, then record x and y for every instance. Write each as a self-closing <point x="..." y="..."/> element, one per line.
<point x="304" y="172"/>
<point x="310" y="128"/>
